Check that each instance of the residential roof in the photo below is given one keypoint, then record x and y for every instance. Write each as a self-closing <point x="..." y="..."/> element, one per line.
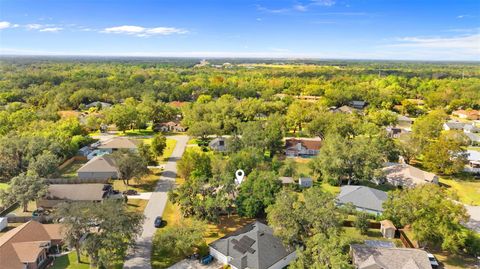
<point x="473" y="155"/>
<point x="305" y="179"/>
<point x="404" y="172"/>
<point x="104" y="104"/>
<point x="473" y="137"/>
<point x="286" y="180"/>
<point x="468" y="113"/>
<point x="102" y="163"/>
<point x="75" y="192"/>
<point x="365" y="256"/>
<point x="471" y="128"/>
<point x="346" y="109"/>
<point x="404" y="118"/>
<point x="119" y="143"/>
<point x="255" y="244"/>
<point x="455" y="125"/>
<point x="23" y="242"/>
<point x="312" y="143"/>
<point x="363" y="197"/>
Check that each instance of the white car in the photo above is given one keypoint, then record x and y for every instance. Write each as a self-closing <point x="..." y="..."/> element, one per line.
<point x="433" y="260"/>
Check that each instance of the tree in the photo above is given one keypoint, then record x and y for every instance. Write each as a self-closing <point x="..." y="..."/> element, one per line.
<point x="146" y="153"/>
<point x="298" y="114"/>
<point x="182" y="239"/>
<point x="130" y="164"/>
<point x="202" y="130"/>
<point x="289" y="168"/>
<point x="159" y="143"/>
<point x="23" y="189"/>
<point x="256" y="193"/>
<point x="362" y="223"/>
<point x="44" y="164"/>
<point x="428" y="127"/>
<point x="383" y="117"/>
<point x="194" y="161"/>
<point x="425" y="208"/>
<point x="446" y="155"/>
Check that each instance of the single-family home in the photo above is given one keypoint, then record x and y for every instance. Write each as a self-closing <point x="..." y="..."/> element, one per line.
<point x="117" y="143"/>
<point x="98" y="104"/>
<point x="405" y="175"/>
<point x="368" y="257"/>
<point x="387" y="229"/>
<point x="254" y="246"/>
<point x="473" y="165"/>
<point x="345" y="110"/>
<point x="170" y="126"/>
<point x="59" y="193"/>
<point x="470" y="128"/>
<point x="30" y="245"/>
<point x="303" y="147"/>
<point x="99" y="167"/>
<point x="363" y="198"/>
<point x="470" y="114"/>
<point x="404" y="122"/>
<point x="357" y="104"/>
<point x="286" y="180"/>
<point x="305" y="182"/>
<point x="453" y="125"/>
<point x="474" y="139"/>
<point x="218" y="144"/>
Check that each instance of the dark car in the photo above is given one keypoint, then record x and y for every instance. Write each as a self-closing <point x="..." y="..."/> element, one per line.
<point x="206" y="259"/>
<point x="158" y="222"/>
<point x="130" y="192"/>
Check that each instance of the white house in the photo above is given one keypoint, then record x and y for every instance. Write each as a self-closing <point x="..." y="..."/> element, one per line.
<point x="254" y="247"/>
<point x="295" y="147"/>
<point x="305" y="182"/>
<point x="473" y="162"/>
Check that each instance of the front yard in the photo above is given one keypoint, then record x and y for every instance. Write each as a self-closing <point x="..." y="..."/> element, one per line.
<point x="468" y="190"/>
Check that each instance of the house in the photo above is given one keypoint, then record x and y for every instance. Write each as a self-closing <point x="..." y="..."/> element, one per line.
<point x="295" y="147"/>
<point x="286" y="180"/>
<point x="305" y="182"/>
<point x="404" y="122"/>
<point x="401" y="174"/>
<point x="59" y="193"/>
<point x="363" y="198"/>
<point x="358" y="104"/>
<point x="99" y="167"/>
<point x="170" y="127"/>
<point x="470" y="128"/>
<point x="117" y="143"/>
<point x="387" y="229"/>
<point x="453" y="125"/>
<point x="3" y="223"/>
<point x="254" y="246"/>
<point x="97" y="104"/>
<point x="30" y="245"/>
<point x="474" y="139"/>
<point x="467" y="114"/>
<point x="368" y="257"/>
<point x="346" y="110"/>
<point x="473" y="162"/>
<point x="218" y="144"/>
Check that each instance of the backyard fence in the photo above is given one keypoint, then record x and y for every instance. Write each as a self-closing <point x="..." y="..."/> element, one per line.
<point x="70" y="161"/>
<point x="405" y="240"/>
<point x="371" y="225"/>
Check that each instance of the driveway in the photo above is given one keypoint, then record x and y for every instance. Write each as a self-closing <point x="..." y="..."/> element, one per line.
<point x="474" y="222"/>
<point x="139" y="258"/>
<point x="195" y="264"/>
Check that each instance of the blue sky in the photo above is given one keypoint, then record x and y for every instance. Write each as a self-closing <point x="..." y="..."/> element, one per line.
<point x="353" y="29"/>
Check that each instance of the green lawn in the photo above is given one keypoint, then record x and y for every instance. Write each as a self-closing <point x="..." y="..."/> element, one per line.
<point x="136" y="132"/>
<point x="468" y="191"/>
<point x="372" y="234"/>
<point x="3" y="186"/>
<point x="70" y="262"/>
<point x="71" y="170"/>
<point x="146" y="184"/>
<point x="167" y="152"/>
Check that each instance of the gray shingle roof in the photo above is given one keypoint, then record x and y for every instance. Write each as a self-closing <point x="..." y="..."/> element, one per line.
<point x="119" y="143"/>
<point x="99" y="164"/>
<point x="363" y="197"/>
<point x="255" y="244"/>
<point x="454" y="125"/>
<point x="473" y="137"/>
<point x="389" y="258"/>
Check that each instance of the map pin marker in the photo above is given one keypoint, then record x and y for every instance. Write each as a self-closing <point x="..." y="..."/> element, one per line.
<point x="239" y="175"/>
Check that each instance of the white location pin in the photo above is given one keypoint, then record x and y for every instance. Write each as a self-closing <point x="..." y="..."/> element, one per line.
<point x="239" y="175"/>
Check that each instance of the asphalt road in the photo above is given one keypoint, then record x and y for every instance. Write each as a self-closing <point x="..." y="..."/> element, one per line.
<point x="139" y="258"/>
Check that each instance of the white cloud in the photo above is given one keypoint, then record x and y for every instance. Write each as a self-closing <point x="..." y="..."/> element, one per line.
<point x="327" y="3"/>
<point x="301" y="8"/>
<point x="466" y="42"/>
<point x="34" y="26"/>
<point x="51" y="29"/>
<point x="5" y="24"/>
<point x="143" y="31"/>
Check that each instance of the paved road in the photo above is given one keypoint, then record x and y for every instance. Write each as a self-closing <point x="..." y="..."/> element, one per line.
<point x="474" y="222"/>
<point x="140" y="258"/>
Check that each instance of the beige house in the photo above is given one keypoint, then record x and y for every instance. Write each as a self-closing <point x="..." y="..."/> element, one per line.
<point x="100" y="167"/>
<point x="59" y="193"/>
<point x="405" y="175"/>
<point x="117" y="143"/>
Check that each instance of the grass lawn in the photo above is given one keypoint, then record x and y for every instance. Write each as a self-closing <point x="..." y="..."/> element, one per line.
<point x="32" y="205"/>
<point x="468" y="191"/>
<point x="454" y="261"/>
<point x="70" y="261"/>
<point x="3" y="186"/>
<point x="137" y="204"/>
<point x="71" y="170"/>
<point x="167" y="152"/>
<point x="141" y="132"/>
<point x="372" y="234"/>
<point x="146" y="184"/>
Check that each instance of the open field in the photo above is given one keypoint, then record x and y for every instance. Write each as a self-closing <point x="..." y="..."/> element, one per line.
<point x="468" y="191"/>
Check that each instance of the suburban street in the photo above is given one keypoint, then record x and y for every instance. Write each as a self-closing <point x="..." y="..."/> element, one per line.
<point x="140" y="258"/>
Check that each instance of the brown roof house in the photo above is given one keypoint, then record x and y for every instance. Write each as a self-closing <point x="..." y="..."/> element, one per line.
<point x="29" y="245"/>
<point x="100" y="167"/>
<point x="59" y="193"/>
<point x="467" y="114"/>
<point x="170" y="127"/>
<point x="117" y="143"/>
<point x="295" y="147"/>
<point x="369" y="257"/>
<point x="401" y="174"/>
<point x="254" y="246"/>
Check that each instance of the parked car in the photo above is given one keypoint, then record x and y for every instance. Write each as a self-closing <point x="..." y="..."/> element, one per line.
<point x="158" y="222"/>
<point x="433" y="260"/>
<point x="206" y="259"/>
<point x="130" y="192"/>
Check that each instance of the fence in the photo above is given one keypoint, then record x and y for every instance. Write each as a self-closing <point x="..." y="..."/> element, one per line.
<point x="70" y="161"/>
<point x="371" y="225"/>
<point x="405" y="240"/>
<point x="76" y="181"/>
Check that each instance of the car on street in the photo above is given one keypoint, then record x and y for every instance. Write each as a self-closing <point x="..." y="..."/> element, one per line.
<point x="158" y="222"/>
<point x="433" y="260"/>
